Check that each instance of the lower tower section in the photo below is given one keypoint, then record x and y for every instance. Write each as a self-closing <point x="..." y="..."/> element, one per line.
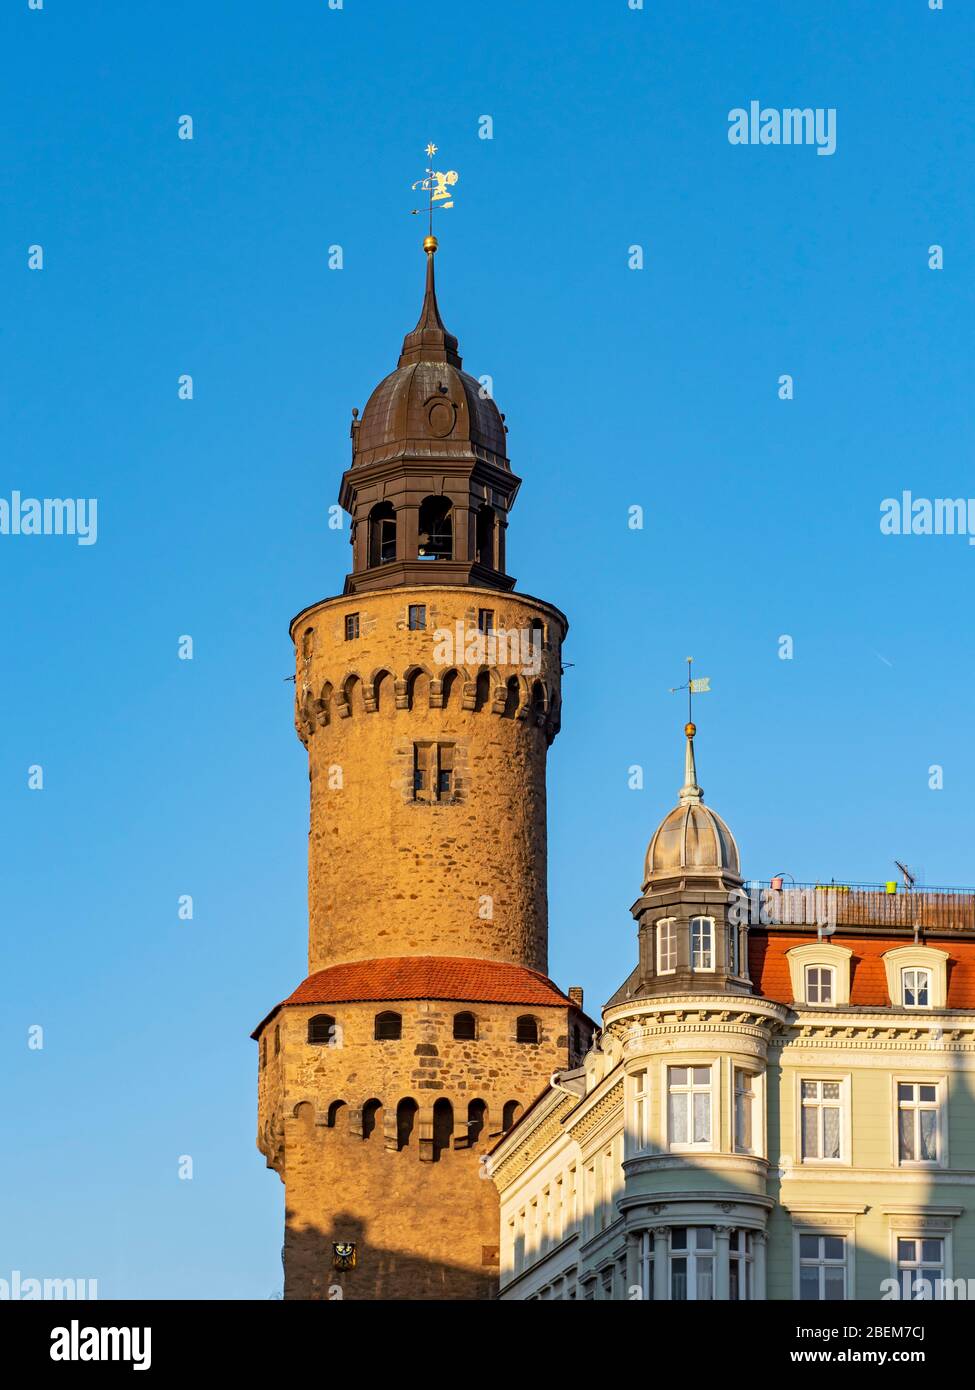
<point x="383" y="1085"/>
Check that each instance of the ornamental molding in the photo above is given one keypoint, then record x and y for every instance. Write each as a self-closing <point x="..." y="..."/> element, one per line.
<point x="912" y="1034"/>
<point x="536" y="1139"/>
<point x="604" y="1108"/>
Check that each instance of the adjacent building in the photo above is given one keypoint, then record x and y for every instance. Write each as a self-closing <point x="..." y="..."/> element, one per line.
<point x="781" y="1104"/>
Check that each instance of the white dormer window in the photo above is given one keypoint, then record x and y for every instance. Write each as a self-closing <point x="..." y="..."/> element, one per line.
<point x="916" y="988"/>
<point x="820" y="974"/>
<point x="820" y="984"/>
<point x="917" y="977"/>
<point x="702" y="943"/>
<point x="667" y="946"/>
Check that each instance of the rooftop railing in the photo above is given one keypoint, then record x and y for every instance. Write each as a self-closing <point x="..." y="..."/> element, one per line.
<point x="866" y="904"/>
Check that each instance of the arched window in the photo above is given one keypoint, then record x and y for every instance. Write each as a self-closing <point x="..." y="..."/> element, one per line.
<point x="264" y="1051"/>
<point x="405" y="1120"/>
<point x="321" y="1030"/>
<point x="382" y="692"/>
<point x="382" y="534"/>
<point x="334" y="1111"/>
<point x="538" y="697"/>
<point x="512" y="697"/>
<point x="465" y="1027"/>
<point x="451" y="689"/>
<point x="510" y="1113"/>
<point x="482" y="690"/>
<point x="307" y="642"/>
<point x="371" y="1116"/>
<point x="476" y="1117"/>
<point x="443" y="1126"/>
<point x="436" y="532"/>
<point x="277" y="1038"/>
<point x="820" y="984"/>
<point x="486" y="530"/>
<point x="526" y="1029"/>
<point x="389" y="1027"/>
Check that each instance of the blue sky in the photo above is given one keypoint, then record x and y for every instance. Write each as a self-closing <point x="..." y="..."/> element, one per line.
<point x="656" y="388"/>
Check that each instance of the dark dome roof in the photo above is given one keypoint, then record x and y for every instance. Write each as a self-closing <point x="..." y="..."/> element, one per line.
<point x="432" y="402"/>
<point x="429" y="405"/>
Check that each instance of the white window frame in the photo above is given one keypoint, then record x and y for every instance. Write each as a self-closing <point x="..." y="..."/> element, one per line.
<point x="915" y="1234"/>
<point x="823" y="954"/>
<point x="830" y="972"/>
<point x="745" y="1260"/>
<point x="733" y="939"/>
<point x="640" y="1110"/>
<point x="702" y="969"/>
<point x="916" y="971"/>
<point x="702" y="1146"/>
<point x="821" y="1232"/>
<point x="671" y="924"/>
<point x="846" y="1117"/>
<point x="691" y="1255"/>
<point x="921" y="958"/>
<point x="940" y="1083"/>
<point x="757" y="1079"/>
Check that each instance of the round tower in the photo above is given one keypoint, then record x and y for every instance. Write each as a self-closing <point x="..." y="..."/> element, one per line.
<point x="427" y="696"/>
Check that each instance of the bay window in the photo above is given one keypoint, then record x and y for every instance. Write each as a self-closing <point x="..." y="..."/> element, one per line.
<point x="689" y="1107"/>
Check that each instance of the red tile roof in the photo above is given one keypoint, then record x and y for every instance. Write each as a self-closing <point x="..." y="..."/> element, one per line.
<point x="425" y="977"/>
<point x="868" y="978"/>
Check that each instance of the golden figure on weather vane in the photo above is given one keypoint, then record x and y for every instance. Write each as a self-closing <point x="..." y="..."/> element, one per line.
<point x="438" y="185"/>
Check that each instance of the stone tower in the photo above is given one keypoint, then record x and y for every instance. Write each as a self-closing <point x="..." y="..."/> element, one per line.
<point x="427" y="696"/>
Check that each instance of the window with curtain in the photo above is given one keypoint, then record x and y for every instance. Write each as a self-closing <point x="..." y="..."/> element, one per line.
<point x="821" y="1123"/>
<point x="820" y="984"/>
<point x="916" y="988"/>
<point x="689" y="1106"/>
<point x="918" y="1137"/>
<point x="822" y="1268"/>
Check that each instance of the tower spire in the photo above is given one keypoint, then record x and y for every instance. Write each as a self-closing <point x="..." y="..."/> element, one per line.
<point x="429" y="341"/>
<point x="690" y="791"/>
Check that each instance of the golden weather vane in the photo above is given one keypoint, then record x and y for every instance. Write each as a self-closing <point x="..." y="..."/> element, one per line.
<point x="694" y="686"/>
<point x="438" y="185"/>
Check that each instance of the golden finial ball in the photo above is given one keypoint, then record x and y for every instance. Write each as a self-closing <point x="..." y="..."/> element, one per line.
<point x="430" y="243"/>
<point x="690" y="730"/>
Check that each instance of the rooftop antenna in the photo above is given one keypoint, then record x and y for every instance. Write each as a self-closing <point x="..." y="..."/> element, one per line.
<point x="909" y="879"/>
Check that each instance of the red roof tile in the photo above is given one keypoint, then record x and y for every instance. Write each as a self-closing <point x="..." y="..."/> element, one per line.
<point x="868" y="978"/>
<point x="425" y="977"/>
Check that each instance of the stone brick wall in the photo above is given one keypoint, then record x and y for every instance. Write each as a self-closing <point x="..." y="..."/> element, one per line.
<point x="425" y="1224"/>
<point x="389" y="875"/>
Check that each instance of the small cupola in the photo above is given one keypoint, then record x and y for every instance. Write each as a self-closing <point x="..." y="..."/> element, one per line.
<point x="691" y="839"/>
